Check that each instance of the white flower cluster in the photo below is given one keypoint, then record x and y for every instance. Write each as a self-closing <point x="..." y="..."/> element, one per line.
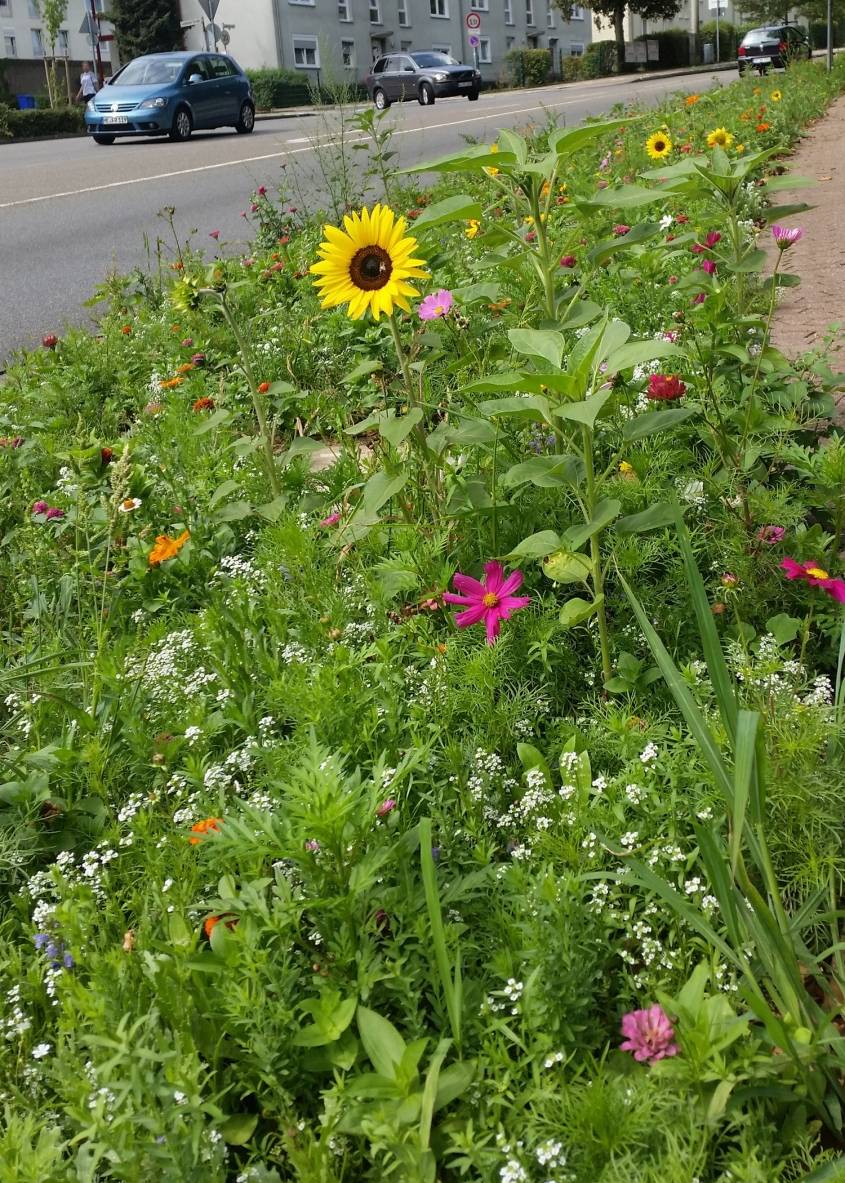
<point x="171" y="672"/>
<point x="15" y="1021"/>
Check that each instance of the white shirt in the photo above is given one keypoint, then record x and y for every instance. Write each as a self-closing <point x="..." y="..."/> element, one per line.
<point x="88" y="83"/>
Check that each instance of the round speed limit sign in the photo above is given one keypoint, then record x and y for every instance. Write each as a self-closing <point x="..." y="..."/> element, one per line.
<point x="473" y="21"/>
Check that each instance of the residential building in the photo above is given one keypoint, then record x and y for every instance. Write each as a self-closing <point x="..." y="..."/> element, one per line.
<point x="340" y="38"/>
<point x="24" y="44"/>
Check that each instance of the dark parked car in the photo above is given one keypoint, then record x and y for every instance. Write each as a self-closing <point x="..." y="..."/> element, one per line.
<point x="773" y="46"/>
<point x="172" y="94"/>
<point x="420" y="76"/>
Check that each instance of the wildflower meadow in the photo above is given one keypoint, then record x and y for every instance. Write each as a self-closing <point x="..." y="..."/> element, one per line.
<point x="422" y="702"/>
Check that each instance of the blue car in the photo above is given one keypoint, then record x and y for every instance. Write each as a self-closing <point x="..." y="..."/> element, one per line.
<point x="172" y="94"/>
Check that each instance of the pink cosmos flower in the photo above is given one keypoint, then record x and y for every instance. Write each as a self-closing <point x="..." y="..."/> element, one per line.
<point x="786" y="237"/>
<point x="436" y="305"/>
<point x="491" y="600"/>
<point x="215" y="234"/>
<point x="771" y="534"/>
<point x="568" y="261"/>
<point x="262" y="190"/>
<point x="649" y="1034"/>
<point x="816" y="576"/>
<point x="331" y="520"/>
<point x="386" y="807"/>
<point x="709" y="266"/>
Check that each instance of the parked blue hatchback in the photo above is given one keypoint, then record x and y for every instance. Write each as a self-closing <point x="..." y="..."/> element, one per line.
<point x="172" y="94"/>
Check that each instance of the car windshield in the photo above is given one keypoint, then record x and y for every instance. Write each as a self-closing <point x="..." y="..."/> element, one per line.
<point x="150" y="71"/>
<point x="761" y="34"/>
<point x="428" y="60"/>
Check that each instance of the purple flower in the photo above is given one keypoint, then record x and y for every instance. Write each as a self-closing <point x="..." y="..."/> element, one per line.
<point x="39" y="507"/>
<point x="331" y="520"/>
<point x="67" y="960"/>
<point x="435" y="306"/>
<point x="786" y="237"/>
<point x="187" y="343"/>
<point x="41" y="939"/>
<point x="312" y="845"/>
<point x="648" y="1034"/>
<point x="709" y="266"/>
<point x="198" y="359"/>
<point x="386" y="807"/>
<point x="771" y="534"/>
<point x="700" y="298"/>
<point x="54" y="514"/>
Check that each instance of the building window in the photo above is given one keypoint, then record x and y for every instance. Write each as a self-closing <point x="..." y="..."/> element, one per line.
<point x="508" y="12"/>
<point x="484" y="54"/>
<point x="375" y="12"/>
<point x="577" y="13"/>
<point x="310" y="3"/>
<point x="480" y="5"/>
<point x="402" y="13"/>
<point x="529" y="12"/>
<point x="306" y="53"/>
<point x="34" y="14"/>
<point x="10" y="45"/>
<point x="5" y="7"/>
<point x="509" y="43"/>
<point x="62" y="42"/>
<point x="343" y="10"/>
<point x="37" y="43"/>
<point x="576" y="49"/>
<point x="550" y="16"/>
<point x="439" y="8"/>
<point x="347" y="54"/>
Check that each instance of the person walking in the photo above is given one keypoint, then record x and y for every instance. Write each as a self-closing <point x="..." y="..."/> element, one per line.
<point x="87" y="83"/>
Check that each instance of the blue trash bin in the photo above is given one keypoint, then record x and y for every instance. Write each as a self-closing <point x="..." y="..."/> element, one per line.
<point x="26" y="102"/>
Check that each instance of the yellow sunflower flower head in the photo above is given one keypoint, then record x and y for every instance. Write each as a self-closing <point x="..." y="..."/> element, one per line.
<point x="368" y="263"/>
<point x="775" y="96"/>
<point x="658" y="145"/>
<point x="473" y="227"/>
<point x="720" y="138"/>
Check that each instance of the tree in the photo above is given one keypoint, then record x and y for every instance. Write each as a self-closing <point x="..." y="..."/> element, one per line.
<point x="614" y="11"/>
<point x="53" y="13"/>
<point x="145" y="26"/>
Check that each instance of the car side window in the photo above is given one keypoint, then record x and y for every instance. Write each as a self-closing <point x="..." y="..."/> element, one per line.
<point x="197" y="66"/>
<point x="406" y="65"/>
<point x="392" y="66"/>
<point x="219" y="67"/>
<point x="378" y="68"/>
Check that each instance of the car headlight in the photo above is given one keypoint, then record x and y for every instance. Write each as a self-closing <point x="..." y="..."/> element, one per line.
<point x="440" y="77"/>
<point x="159" y="102"/>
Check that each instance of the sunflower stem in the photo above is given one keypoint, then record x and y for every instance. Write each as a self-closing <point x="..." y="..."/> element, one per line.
<point x="403" y="360"/>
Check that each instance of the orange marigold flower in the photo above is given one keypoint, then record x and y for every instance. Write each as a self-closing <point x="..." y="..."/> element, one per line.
<point x="761" y="127"/>
<point x="204" y="404"/>
<point x="692" y="99"/>
<point x="263" y="387"/>
<point x="126" y="330"/>
<point x="204" y="827"/>
<point x="212" y="922"/>
<point x="166" y="548"/>
<point x="171" y="383"/>
<point x="185" y="367"/>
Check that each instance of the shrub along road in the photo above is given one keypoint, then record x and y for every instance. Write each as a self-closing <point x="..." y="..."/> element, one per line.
<point x="70" y="211"/>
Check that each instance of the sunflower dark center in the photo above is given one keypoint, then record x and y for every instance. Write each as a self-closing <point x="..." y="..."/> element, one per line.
<point x="370" y="268"/>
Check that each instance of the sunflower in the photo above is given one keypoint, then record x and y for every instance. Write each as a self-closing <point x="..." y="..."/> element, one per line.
<point x="368" y="263"/>
<point x="775" y="96"/>
<point x="720" y="138"/>
<point x="658" y="145"/>
<point x="473" y="226"/>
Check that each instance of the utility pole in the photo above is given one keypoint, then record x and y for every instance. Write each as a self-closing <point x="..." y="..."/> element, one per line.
<point x="829" y="35"/>
<point x="94" y="23"/>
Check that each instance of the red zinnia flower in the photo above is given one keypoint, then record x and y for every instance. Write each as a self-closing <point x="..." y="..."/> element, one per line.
<point x="50" y="341"/>
<point x="665" y="387"/>
<point x="263" y="387"/>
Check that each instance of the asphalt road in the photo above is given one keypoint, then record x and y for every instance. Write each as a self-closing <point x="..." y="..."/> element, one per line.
<point x="71" y="211"/>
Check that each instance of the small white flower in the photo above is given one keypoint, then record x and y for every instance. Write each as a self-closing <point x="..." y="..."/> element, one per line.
<point x="130" y="504"/>
<point x="41" y="1050"/>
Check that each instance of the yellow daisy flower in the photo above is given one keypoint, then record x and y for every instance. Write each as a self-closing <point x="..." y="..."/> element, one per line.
<point x="658" y="145"/>
<point x="739" y="149"/>
<point x="489" y="169"/>
<point x="473" y="226"/>
<point x="720" y="138"/>
<point x="368" y="263"/>
<point x="775" y="96"/>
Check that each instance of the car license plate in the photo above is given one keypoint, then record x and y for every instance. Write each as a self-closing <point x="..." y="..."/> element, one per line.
<point x="115" y="119"/>
<point x="761" y="61"/>
<point x="464" y="84"/>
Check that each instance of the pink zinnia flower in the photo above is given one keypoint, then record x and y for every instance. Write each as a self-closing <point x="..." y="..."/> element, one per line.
<point x="39" y="507"/>
<point x="620" y="228"/>
<point x="436" y="305"/>
<point x="649" y="1034"/>
<point x="262" y="190"/>
<point x="491" y="600"/>
<point x="771" y="534"/>
<point x="568" y="261"/>
<point x="816" y="576"/>
<point x="331" y="520"/>
<point x="55" y="514"/>
<point x="386" y="807"/>
<point x="665" y="387"/>
<point x="786" y="237"/>
<point x="709" y="266"/>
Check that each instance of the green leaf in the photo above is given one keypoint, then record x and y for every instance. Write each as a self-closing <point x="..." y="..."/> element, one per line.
<point x="576" y="611"/>
<point x="776" y="213"/>
<point x="531" y="757"/>
<point x="625" y="197"/>
<point x="239" y="1128"/>
<point x="218" y="419"/>
<point x="514" y="146"/>
<point x="476" y="291"/>
<point x="235" y="511"/>
<point x="547" y="472"/>
<point x="634" y="353"/>
<point x="397" y="428"/>
<point x="272" y="510"/>
<point x="744" y="777"/>
<point x="383" y="1044"/>
<point x="223" y="491"/>
<point x="569" y="140"/>
<point x="603" y="514"/>
<point x="587" y="411"/>
<point x="783" y="628"/>
<point x="536" y="546"/>
<point x="533" y="407"/>
<point x="362" y="371"/>
<point x="451" y="209"/>
<point x="653" y="518"/>
<point x="653" y="422"/>
<point x="608" y="247"/>
<point x="565" y="567"/>
<point x="470" y="160"/>
<point x="546" y="344"/>
<point x="453" y="1081"/>
<point x="754" y="261"/>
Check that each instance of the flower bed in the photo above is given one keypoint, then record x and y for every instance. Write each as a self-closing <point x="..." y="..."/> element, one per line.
<point x="469" y="808"/>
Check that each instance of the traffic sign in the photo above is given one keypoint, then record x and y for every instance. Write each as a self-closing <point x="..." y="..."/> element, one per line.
<point x="474" y="41"/>
<point x="210" y="7"/>
<point x="473" y="21"/>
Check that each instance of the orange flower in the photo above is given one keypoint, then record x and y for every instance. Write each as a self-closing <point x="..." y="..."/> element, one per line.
<point x="185" y="367"/>
<point x="204" y="827"/>
<point x="761" y="127"/>
<point x="263" y="387"/>
<point x="171" y="383"/>
<point x="212" y="922"/>
<point x="204" y="404"/>
<point x="126" y="330"/>
<point x="166" y="548"/>
<point x="692" y="99"/>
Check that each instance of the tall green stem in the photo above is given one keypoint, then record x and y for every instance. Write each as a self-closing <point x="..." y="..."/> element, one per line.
<point x="595" y="555"/>
<point x="258" y="406"/>
<point x="543" y="251"/>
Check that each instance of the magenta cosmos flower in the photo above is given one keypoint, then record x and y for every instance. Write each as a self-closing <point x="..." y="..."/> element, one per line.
<point x="786" y="237"/>
<point x="771" y="534"/>
<point x="331" y="520"/>
<point x="491" y="600"/>
<point x="816" y="576"/>
<point x="436" y="305"/>
<point x="649" y="1034"/>
<point x="709" y="266"/>
<point x="386" y="807"/>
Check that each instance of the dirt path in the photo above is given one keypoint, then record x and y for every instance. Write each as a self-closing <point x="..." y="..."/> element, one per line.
<point x="805" y="313"/>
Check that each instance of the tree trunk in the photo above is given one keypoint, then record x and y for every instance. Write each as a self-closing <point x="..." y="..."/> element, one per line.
<point x="49" y="87"/>
<point x="619" y="31"/>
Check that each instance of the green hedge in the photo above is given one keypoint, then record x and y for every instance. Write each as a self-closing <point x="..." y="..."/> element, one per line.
<point x="600" y="59"/>
<point x="279" y="88"/>
<point x="21" y="125"/>
<point x="529" y="67"/>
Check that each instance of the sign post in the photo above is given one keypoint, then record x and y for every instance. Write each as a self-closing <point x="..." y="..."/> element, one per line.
<point x="473" y="24"/>
<point x="715" y="6"/>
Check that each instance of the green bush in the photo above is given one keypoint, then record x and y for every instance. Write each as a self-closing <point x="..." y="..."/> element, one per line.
<point x="600" y="59"/>
<point x="60" y="121"/>
<point x="729" y="38"/>
<point x="279" y="88"/>
<point x="529" y="67"/>
<point x="574" y="69"/>
<point x="818" y="33"/>
<point x="5" y="133"/>
<point x="673" y="47"/>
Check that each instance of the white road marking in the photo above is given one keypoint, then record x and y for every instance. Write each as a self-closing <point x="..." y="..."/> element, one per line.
<point x="201" y="168"/>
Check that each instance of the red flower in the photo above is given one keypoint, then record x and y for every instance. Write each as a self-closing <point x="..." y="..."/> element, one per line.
<point x="203" y="404"/>
<point x="126" y="330"/>
<point x="569" y="261"/>
<point x="709" y="267"/>
<point x="816" y="576"/>
<point x="665" y="387"/>
<point x="619" y="229"/>
<point x="50" y="341"/>
<point x="263" y="387"/>
<point x="199" y="829"/>
<point x="106" y="455"/>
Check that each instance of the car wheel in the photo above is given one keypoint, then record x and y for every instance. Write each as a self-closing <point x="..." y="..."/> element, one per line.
<point x="473" y="96"/>
<point x="247" y="120"/>
<point x="103" y="139"/>
<point x="426" y="95"/>
<point x="381" y="100"/>
<point x="182" y="127"/>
